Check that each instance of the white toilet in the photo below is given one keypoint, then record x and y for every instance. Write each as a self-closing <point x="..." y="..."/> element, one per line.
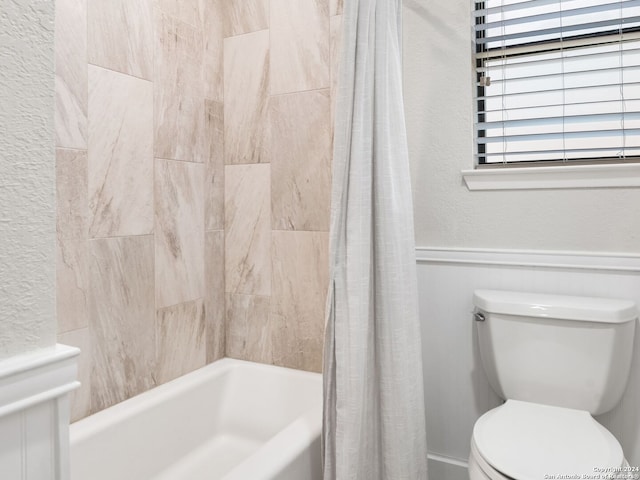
<point x="556" y="360"/>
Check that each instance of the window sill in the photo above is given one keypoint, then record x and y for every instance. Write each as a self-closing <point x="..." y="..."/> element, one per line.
<point x="572" y="176"/>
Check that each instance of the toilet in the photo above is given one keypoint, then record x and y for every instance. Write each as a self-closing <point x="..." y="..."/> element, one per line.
<point x="557" y="361"/>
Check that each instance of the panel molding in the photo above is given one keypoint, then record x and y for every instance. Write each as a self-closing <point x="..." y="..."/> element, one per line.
<point x="531" y="258"/>
<point x="29" y="379"/>
<point x="34" y="409"/>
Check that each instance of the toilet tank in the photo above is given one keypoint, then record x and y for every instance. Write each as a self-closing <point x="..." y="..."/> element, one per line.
<point x="572" y="352"/>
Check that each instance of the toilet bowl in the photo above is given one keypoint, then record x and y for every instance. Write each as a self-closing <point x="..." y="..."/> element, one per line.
<point x="528" y="441"/>
<point x="557" y="361"/>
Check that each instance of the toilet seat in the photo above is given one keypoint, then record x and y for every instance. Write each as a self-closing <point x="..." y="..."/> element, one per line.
<point x="526" y="441"/>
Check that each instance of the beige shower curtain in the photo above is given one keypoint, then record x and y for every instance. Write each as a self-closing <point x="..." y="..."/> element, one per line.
<point x="374" y="426"/>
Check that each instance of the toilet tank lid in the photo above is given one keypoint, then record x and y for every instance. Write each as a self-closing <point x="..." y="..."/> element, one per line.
<point x="542" y="305"/>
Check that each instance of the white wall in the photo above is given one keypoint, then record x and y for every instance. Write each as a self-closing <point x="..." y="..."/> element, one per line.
<point x="438" y="70"/>
<point x="27" y="174"/>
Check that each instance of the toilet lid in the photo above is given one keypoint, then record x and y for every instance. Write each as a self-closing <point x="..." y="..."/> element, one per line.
<point x="528" y="441"/>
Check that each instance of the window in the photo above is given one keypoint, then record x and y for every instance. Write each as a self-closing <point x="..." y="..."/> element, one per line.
<point x="558" y="82"/>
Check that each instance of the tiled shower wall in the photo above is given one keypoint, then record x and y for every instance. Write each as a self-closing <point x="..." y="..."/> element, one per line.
<point x="186" y="224"/>
<point x="140" y="192"/>
<point x="279" y="68"/>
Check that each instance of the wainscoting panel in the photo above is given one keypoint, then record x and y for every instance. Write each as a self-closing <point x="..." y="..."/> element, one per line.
<point x="34" y="414"/>
<point x="456" y="389"/>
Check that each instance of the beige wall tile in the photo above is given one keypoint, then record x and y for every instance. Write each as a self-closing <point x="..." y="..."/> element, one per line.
<point x="179" y="232"/>
<point x="248" y="328"/>
<point x="300" y="160"/>
<point x="120" y="154"/>
<point x="245" y="16"/>
<point x="214" y="299"/>
<point x="336" y="50"/>
<point x="71" y="193"/>
<point x="72" y="283"/>
<point x="212" y="19"/>
<point x="299" y="45"/>
<point x="71" y="73"/>
<point x="214" y="181"/>
<point x="300" y="280"/>
<point x="180" y="340"/>
<point x="246" y="83"/>
<point x="122" y="328"/>
<point x="187" y="11"/>
<point x="336" y="7"/>
<point x="121" y="36"/>
<point x="179" y="105"/>
<point x="247" y="229"/>
<point x="80" y="398"/>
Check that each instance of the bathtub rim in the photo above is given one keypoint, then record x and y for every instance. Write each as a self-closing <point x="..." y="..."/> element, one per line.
<point x="105" y="419"/>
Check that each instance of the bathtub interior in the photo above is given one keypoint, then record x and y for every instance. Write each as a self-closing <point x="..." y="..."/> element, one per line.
<point x="200" y="426"/>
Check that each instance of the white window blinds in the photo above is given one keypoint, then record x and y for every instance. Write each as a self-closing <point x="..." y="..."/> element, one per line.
<point x="557" y="80"/>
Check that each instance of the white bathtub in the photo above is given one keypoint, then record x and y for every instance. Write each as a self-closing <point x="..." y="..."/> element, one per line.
<point x="230" y="420"/>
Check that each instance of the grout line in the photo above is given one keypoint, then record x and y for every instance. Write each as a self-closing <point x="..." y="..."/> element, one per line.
<point x="327" y="89"/>
<point x="121" y="73"/>
<point x="73" y="149"/>
<point x="179" y="160"/>
<point x="152" y="234"/>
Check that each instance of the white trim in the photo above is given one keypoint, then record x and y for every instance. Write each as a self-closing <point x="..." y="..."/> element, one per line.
<point x="531" y="258"/>
<point x="570" y="176"/>
<point x="36" y="377"/>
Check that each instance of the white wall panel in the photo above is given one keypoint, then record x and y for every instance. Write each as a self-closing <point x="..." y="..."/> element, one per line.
<point x="456" y="390"/>
<point x="34" y="414"/>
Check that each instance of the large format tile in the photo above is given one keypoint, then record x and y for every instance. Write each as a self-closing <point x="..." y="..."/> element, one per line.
<point x="247" y="213"/>
<point x="245" y="16"/>
<point x="300" y="160"/>
<point x="336" y="7"/>
<point x="72" y="267"/>
<point x="213" y="23"/>
<point x="248" y="329"/>
<point x="71" y="73"/>
<point x="179" y="232"/>
<point x="81" y="398"/>
<point x="71" y="193"/>
<point x="179" y="105"/>
<point x="180" y="340"/>
<point x="121" y="36"/>
<point x="336" y="54"/>
<point x="214" y="295"/>
<point x="214" y="180"/>
<point x="300" y="281"/>
<point x="299" y="45"/>
<point x="246" y="83"/>
<point x="72" y="283"/>
<point x="122" y="323"/>
<point x="120" y="154"/>
<point x="188" y="11"/>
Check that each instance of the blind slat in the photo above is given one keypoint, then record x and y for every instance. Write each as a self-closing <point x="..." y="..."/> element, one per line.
<point x="510" y="111"/>
<point x="532" y="36"/>
<point x="606" y="7"/>
<point x="592" y="118"/>
<point x="551" y="90"/>
<point x="561" y="135"/>
<point x="568" y="57"/>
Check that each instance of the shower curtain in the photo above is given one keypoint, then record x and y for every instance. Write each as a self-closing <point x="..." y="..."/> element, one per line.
<point x="374" y="426"/>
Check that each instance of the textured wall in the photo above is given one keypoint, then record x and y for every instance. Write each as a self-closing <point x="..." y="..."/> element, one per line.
<point x="438" y="72"/>
<point x="27" y="192"/>
<point x="279" y="63"/>
<point x="140" y="271"/>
